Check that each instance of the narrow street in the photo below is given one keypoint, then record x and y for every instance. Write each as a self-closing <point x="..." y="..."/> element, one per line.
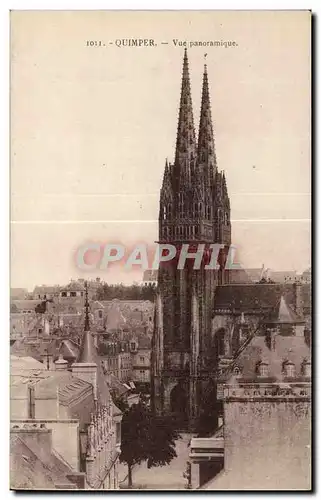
<point x="161" y="478"/>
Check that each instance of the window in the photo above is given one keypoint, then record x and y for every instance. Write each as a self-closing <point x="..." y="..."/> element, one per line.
<point x="73" y="294"/>
<point x="263" y="369"/>
<point x="306" y="368"/>
<point x="289" y="369"/>
<point x="64" y="294"/>
<point x="141" y="359"/>
<point x="100" y="314"/>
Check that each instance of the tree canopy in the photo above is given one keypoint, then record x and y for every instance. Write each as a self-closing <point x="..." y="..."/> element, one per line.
<point x="146" y="437"/>
<point x="123" y="292"/>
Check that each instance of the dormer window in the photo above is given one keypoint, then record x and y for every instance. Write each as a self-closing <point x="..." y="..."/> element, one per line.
<point x="306" y="368"/>
<point x="289" y="369"/>
<point x="237" y="371"/>
<point x="133" y="346"/>
<point x="262" y="369"/>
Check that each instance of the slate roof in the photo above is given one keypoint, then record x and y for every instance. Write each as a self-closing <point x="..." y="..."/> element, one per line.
<point x="26" y="305"/>
<point x="256" y="298"/>
<point x="34" y="466"/>
<point x="69" y="349"/>
<point x="66" y="347"/>
<point x="23" y="349"/>
<point x="286" y="348"/>
<point x="247" y="297"/>
<point x="70" y="388"/>
<point x="18" y="363"/>
<point x="283" y="314"/>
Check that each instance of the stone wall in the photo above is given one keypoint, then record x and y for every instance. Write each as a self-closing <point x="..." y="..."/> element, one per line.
<point x="267" y="443"/>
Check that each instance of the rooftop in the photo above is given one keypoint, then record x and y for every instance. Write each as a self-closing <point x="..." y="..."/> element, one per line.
<point x="33" y="462"/>
<point x="256" y="297"/>
<point x="285" y="348"/>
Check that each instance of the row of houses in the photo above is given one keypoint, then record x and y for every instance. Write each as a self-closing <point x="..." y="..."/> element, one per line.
<point x="65" y="430"/>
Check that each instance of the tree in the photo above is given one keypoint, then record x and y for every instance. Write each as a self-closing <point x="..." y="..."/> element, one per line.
<point x="124" y="292"/>
<point x="146" y="438"/>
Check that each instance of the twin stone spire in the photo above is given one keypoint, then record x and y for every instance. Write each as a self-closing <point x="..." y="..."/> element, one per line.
<point x="194" y="159"/>
<point x="194" y="201"/>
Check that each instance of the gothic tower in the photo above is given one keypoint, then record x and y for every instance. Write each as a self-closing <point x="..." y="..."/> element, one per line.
<point x="194" y="210"/>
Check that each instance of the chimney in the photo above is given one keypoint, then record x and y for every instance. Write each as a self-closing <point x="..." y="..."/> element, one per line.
<point x="47" y="360"/>
<point x="270" y="338"/>
<point x="61" y="364"/>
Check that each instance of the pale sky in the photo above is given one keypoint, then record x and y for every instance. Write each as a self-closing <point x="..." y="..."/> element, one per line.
<point x="91" y="128"/>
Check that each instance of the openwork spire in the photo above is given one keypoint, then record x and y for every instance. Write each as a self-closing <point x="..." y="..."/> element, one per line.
<point x="206" y="148"/>
<point x="87" y="325"/>
<point x="186" y="142"/>
<point x="87" y="350"/>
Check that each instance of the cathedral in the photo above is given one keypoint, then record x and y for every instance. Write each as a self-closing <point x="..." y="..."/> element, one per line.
<point x="194" y="210"/>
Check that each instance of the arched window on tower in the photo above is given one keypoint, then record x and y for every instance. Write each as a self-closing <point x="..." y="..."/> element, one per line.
<point x="164" y="213"/>
<point x="219" y="341"/>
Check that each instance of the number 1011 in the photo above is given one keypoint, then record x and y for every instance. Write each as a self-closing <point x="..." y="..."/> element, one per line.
<point x="94" y="43"/>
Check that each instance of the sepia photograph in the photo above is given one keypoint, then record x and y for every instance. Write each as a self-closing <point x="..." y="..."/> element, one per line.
<point x="160" y="250"/>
